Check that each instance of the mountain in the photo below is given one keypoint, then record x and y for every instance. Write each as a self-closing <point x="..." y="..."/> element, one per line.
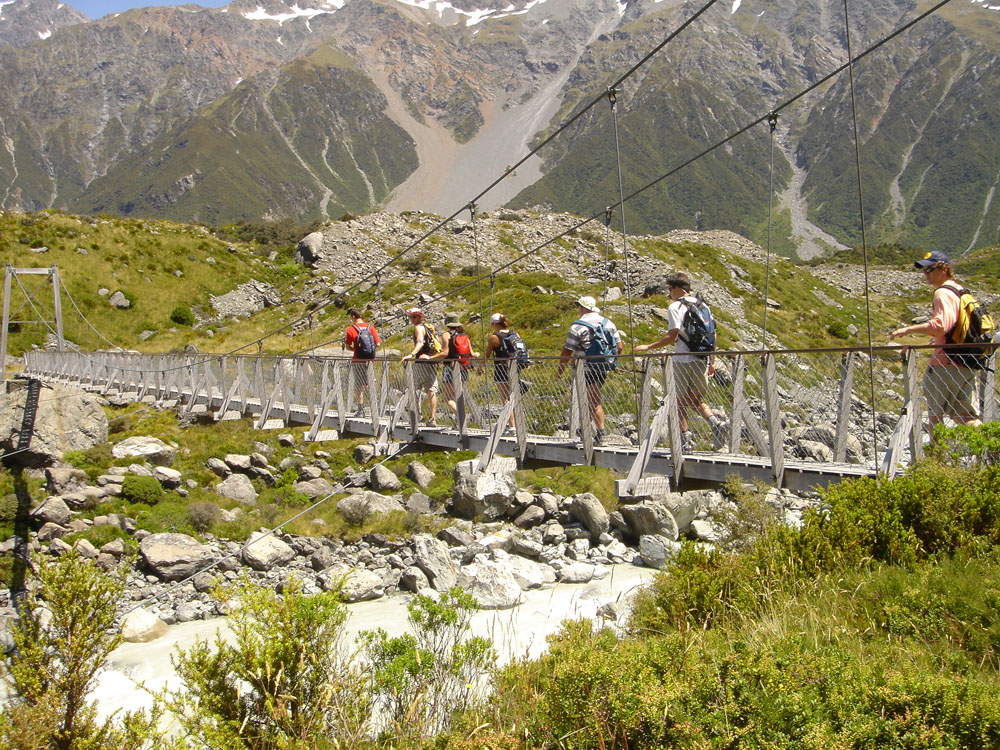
<point x="23" y="22"/>
<point x="268" y="109"/>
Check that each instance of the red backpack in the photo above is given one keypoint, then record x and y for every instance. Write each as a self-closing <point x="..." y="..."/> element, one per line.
<point x="462" y="347"/>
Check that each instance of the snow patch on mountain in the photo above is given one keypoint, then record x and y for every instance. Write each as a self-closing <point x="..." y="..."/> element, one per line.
<point x="472" y="17"/>
<point x="259" y="14"/>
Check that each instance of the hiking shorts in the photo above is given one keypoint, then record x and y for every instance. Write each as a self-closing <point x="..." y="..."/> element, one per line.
<point x="951" y="391"/>
<point x="359" y="370"/>
<point x="448" y="375"/>
<point x="595" y="375"/>
<point x="425" y="377"/>
<point x="692" y="380"/>
<point x="501" y="371"/>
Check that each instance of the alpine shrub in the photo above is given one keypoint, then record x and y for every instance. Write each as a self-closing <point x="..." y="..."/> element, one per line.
<point x="183" y="316"/>
<point x="142" y="490"/>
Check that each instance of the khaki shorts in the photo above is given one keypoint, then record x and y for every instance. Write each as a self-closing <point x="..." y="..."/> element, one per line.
<point x="951" y="391"/>
<point x="425" y="377"/>
<point x="692" y="380"/>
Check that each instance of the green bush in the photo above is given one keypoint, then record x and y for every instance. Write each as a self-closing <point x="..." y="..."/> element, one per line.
<point x="182" y="315"/>
<point x="141" y="490"/>
<point x="838" y="329"/>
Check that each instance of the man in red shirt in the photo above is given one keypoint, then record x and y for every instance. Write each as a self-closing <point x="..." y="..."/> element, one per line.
<point x="950" y="388"/>
<point x="362" y="339"/>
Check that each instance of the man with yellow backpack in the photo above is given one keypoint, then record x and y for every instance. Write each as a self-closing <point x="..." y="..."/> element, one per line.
<point x="950" y="383"/>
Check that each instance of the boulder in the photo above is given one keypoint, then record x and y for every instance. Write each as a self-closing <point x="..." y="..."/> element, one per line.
<point x="172" y="556"/>
<point x="218" y="467"/>
<point x="413" y="579"/>
<point x="358" y="508"/>
<point x="142" y="626"/>
<point x="314" y="488"/>
<point x="169" y="478"/>
<point x="309" y="250"/>
<point x="85" y="549"/>
<point x="59" y="481"/>
<point x="649" y="517"/>
<point x="491" y="582"/>
<point x="53" y="510"/>
<point x="361" y="585"/>
<point x="149" y="448"/>
<point x="420" y="474"/>
<point x="587" y="509"/>
<point x="489" y="494"/>
<point x="382" y="479"/>
<point x="265" y="551"/>
<point x="527" y="573"/>
<point x="119" y="301"/>
<point x="577" y="572"/>
<point x="237" y="487"/>
<point x="431" y="556"/>
<point x="50" y="531"/>
<point x="65" y="420"/>
<point x="237" y="461"/>
<point x="532" y="516"/>
<point x="657" y="550"/>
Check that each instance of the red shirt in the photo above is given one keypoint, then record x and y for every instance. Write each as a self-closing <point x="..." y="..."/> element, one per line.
<point x="352" y="337"/>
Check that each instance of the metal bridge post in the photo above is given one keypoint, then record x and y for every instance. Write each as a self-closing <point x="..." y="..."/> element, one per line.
<point x="991" y="409"/>
<point x="844" y="406"/>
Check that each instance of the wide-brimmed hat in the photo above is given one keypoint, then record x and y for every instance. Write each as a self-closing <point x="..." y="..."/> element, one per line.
<point x="451" y="321"/>
<point x="931" y="259"/>
<point x="414" y="311"/>
<point x="588" y="303"/>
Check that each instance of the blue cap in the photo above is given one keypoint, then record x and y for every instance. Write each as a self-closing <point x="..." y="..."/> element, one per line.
<point x="932" y="258"/>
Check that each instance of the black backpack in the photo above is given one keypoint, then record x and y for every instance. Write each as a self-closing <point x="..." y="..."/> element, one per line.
<point x="364" y="345"/>
<point x="512" y="346"/>
<point x="698" y="327"/>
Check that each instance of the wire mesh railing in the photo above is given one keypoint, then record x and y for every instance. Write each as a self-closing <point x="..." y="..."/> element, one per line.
<point x="812" y="406"/>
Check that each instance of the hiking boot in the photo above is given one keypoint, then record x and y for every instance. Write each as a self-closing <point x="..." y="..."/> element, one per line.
<point x="432" y="423"/>
<point x="599" y="437"/>
<point x="687" y="441"/>
<point x="720" y="432"/>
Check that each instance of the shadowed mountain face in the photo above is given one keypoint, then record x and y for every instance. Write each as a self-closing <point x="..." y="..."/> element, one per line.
<point x="274" y="110"/>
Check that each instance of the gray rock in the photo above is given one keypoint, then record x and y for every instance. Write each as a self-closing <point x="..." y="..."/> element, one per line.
<point x="142" y="626"/>
<point x="455" y="536"/>
<point x="382" y="479"/>
<point x="168" y="478"/>
<point x="265" y="551"/>
<point x="309" y="250"/>
<point x="314" y="488"/>
<point x="237" y="461"/>
<point x="549" y="503"/>
<point x="649" y="517"/>
<point x="50" y="531"/>
<point x="527" y="573"/>
<point x="362" y="585"/>
<point x="489" y="494"/>
<point x="705" y="530"/>
<point x="149" y="448"/>
<point x="53" y="510"/>
<point x="59" y="481"/>
<point x="524" y="545"/>
<point x="431" y="556"/>
<point x="237" y="487"/>
<point x="245" y="300"/>
<point x="578" y="549"/>
<point x="119" y="301"/>
<point x="491" y="583"/>
<point x="189" y="612"/>
<point x="358" y="508"/>
<point x="656" y="550"/>
<point x="309" y="472"/>
<point x="413" y="579"/>
<point x="322" y="559"/>
<point x="587" y="509"/>
<point x="286" y="439"/>
<point x="532" y="516"/>
<point x="420" y="474"/>
<point x="364" y="453"/>
<point x="58" y="547"/>
<point x="577" y="572"/>
<point x="85" y="549"/>
<point x="172" y="557"/>
<point x="116" y="548"/>
<point x="218" y="467"/>
<point x="418" y="502"/>
<point x="57" y="407"/>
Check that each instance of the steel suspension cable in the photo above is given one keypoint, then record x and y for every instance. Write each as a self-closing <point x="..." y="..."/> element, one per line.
<point x="864" y="241"/>
<point x="772" y="122"/>
<point x="613" y="100"/>
<point x="479" y="286"/>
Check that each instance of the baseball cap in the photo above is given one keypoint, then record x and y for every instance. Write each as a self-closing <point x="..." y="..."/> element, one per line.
<point x="496" y="318"/>
<point x="414" y="311"/>
<point x="932" y="258"/>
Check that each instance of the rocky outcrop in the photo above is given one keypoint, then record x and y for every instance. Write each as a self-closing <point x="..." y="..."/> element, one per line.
<point x="147" y="448"/>
<point x="65" y="419"/>
<point x="246" y="299"/>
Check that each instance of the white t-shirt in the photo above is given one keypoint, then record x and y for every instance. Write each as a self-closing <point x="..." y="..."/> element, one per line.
<point x="675" y="320"/>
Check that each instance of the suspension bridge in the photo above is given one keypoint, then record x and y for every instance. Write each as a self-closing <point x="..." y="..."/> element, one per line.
<point x="797" y="419"/>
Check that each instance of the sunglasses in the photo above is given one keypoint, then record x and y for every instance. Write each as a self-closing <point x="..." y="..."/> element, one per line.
<point x="929" y="269"/>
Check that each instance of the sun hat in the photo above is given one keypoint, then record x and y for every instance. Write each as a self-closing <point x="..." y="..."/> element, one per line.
<point x="932" y="258"/>
<point x="452" y="321"/>
<point x="588" y="303"/>
<point x="414" y="311"/>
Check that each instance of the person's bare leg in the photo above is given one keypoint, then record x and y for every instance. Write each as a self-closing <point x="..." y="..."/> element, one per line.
<point x="596" y="408"/>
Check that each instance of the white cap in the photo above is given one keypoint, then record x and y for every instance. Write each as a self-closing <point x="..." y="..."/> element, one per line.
<point x="496" y="318"/>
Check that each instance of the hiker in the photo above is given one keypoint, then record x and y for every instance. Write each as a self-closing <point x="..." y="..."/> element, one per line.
<point x="691" y="371"/>
<point x="597" y="338"/>
<point x="455" y="347"/>
<point x="362" y="339"/>
<point x="425" y="346"/>
<point x="506" y="346"/>
<point x="949" y="387"/>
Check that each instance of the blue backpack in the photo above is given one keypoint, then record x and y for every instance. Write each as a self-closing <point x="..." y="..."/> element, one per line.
<point x="364" y="345"/>
<point x="602" y="353"/>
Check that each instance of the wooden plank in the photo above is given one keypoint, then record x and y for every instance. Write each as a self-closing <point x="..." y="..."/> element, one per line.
<point x="645" y="395"/>
<point x="844" y="406"/>
<point x="772" y="409"/>
<point x="894" y="451"/>
<point x="458" y="385"/>
<point x="412" y="402"/>
<point x="583" y="404"/>
<point x="520" y="422"/>
<point x="338" y="395"/>
<point x="490" y="449"/>
<point x="990" y="406"/>
<point x="739" y="406"/>
<point x="914" y="404"/>
<point x="645" y="451"/>
<point x="673" y="421"/>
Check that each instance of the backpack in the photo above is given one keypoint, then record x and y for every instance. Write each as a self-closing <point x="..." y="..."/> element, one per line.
<point x="602" y="352"/>
<point x="364" y="344"/>
<point x="462" y="348"/>
<point x="698" y="327"/>
<point x="512" y="346"/>
<point x="432" y="344"/>
<point x="974" y="327"/>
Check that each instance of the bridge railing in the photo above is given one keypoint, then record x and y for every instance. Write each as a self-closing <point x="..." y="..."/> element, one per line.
<point x="832" y="406"/>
